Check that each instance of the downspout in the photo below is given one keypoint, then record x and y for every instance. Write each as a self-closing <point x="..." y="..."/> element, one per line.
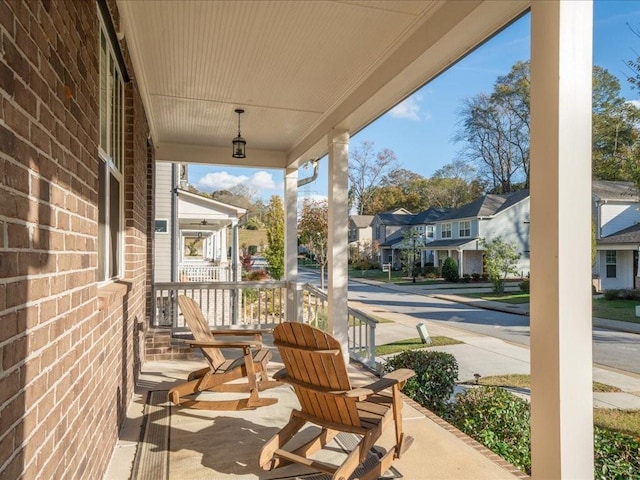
<point x="314" y="175"/>
<point x="175" y="232"/>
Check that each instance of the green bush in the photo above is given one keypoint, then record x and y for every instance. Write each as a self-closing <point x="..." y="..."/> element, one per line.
<point x="622" y="294"/>
<point x="497" y="419"/>
<point x="466" y="278"/>
<point x="450" y="270"/>
<point x="524" y="285"/>
<point x="435" y="379"/>
<point x="476" y="276"/>
<point x="617" y="455"/>
<point x="501" y="422"/>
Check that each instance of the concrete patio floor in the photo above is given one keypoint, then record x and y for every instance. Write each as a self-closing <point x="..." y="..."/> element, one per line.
<point x="224" y="445"/>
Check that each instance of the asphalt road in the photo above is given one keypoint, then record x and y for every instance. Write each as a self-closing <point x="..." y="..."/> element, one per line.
<point x="610" y="348"/>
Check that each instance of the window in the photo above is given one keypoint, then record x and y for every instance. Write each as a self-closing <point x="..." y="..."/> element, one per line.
<point x="110" y="165"/>
<point x="465" y="229"/>
<point x="446" y="230"/>
<point x="430" y="231"/>
<point x="611" y="263"/>
<point x="162" y="226"/>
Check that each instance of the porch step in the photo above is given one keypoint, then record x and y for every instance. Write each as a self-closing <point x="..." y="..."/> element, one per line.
<point x="159" y="345"/>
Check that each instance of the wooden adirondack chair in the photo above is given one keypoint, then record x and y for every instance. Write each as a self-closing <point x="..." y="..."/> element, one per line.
<point x="216" y="377"/>
<point x="315" y="367"/>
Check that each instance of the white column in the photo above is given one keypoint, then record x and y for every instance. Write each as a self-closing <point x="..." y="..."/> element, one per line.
<point x="292" y="314"/>
<point x="235" y="269"/>
<point x="561" y="331"/>
<point x="460" y="266"/>
<point x="338" y="237"/>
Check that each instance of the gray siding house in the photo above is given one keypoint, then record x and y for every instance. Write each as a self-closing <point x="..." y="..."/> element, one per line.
<point x="459" y="233"/>
<point x="616" y="210"/>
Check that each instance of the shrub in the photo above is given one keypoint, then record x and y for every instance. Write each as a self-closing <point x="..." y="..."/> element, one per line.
<point x="450" y="270"/>
<point x="466" y="278"/>
<point x="435" y="379"/>
<point x="617" y="455"/>
<point x="476" y="276"/>
<point x="524" y="285"/>
<point x="622" y="294"/>
<point x="256" y="275"/>
<point x="432" y="272"/>
<point x="629" y="294"/>
<point x="497" y="419"/>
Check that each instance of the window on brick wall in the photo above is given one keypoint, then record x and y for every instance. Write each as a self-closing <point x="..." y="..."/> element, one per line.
<point x="110" y="165"/>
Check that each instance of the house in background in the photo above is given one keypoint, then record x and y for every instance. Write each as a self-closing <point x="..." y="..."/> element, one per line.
<point x="616" y="212"/>
<point x="360" y="230"/>
<point x="192" y="231"/>
<point x="389" y="230"/>
<point x="459" y="233"/>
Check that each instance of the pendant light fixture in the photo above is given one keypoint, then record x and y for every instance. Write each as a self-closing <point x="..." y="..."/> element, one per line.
<point x="239" y="143"/>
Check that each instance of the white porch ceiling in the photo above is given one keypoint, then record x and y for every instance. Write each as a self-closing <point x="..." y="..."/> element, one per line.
<point x="298" y="68"/>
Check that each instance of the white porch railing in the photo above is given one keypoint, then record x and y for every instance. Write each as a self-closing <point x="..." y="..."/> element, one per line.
<point x="260" y="304"/>
<point x="203" y="273"/>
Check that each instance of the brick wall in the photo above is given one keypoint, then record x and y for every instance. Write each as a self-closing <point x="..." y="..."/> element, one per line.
<point x="69" y="350"/>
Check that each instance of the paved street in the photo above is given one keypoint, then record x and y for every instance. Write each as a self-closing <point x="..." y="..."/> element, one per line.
<point x="612" y="349"/>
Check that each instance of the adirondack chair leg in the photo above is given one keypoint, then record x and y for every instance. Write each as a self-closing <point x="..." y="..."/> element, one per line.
<point x="267" y="460"/>
<point x="350" y="464"/>
<point x="397" y="420"/>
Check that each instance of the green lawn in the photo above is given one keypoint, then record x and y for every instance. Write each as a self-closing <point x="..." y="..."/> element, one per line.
<point x="624" y="310"/>
<point x="413" y="344"/>
<point x="516" y="297"/>
<point x="624" y="421"/>
<point x="517" y="380"/>
<point x="378" y="275"/>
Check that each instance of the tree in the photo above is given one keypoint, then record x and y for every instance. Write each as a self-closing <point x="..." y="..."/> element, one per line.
<point x="313" y="229"/>
<point x="366" y="170"/>
<point x="615" y="133"/>
<point x="453" y="185"/>
<point x="495" y="128"/>
<point x="412" y="243"/>
<point x="500" y="260"/>
<point x="274" y="253"/>
<point x="495" y="131"/>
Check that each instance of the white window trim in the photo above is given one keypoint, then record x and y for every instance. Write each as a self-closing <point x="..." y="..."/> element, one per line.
<point x="107" y="161"/>
<point x="460" y="229"/>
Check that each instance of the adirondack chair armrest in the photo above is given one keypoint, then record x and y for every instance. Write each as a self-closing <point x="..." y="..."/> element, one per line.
<point x="397" y="377"/>
<point x="241" y="333"/>
<point x="225" y="344"/>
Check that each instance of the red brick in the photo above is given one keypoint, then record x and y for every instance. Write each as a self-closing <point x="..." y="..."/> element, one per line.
<point x="14" y="352"/>
<point x="18" y="235"/>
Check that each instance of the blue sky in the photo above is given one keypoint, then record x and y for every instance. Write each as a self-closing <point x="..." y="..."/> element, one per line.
<point x="420" y="130"/>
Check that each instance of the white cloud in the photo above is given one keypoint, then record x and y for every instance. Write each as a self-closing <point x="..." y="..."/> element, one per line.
<point x="635" y="103"/>
<point x="408" y="108"/>
<point x="262" y="181"/>
<point x="221" y="181"/>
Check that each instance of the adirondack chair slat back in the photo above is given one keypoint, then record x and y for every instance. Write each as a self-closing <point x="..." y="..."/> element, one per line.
<point x="314" y="358"/>
<point x="200" y="329"/>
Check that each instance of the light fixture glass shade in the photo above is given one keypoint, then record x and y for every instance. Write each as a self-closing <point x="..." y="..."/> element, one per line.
<point x="238" y="147"/>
